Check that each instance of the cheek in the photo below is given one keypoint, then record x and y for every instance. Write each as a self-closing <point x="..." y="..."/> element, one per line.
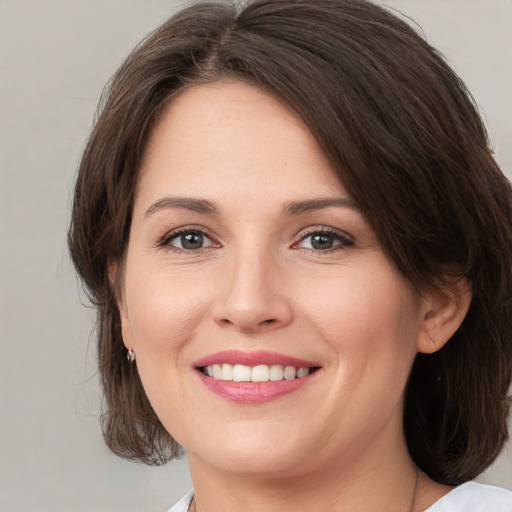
<point x="162" y="322"/>
<point x="355" y="302"/>
<point x="162" y="312"/>
<point x="369" y="319"/>
<point x="371" y="326"/>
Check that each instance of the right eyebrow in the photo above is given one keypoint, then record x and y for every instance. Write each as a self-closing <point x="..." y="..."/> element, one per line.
<point x="187" y="203"/>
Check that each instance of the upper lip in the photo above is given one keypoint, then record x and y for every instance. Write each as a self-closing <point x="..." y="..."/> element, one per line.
<point x="253" y="359"/>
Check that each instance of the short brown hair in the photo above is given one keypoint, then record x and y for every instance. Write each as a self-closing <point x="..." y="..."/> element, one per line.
<point x="404" y="137"/>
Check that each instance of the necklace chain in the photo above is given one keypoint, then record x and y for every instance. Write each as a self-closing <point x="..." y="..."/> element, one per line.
<point x="413" y="502"/>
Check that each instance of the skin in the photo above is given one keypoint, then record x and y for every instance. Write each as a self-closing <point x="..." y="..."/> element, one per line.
<point x="258" y="283"/>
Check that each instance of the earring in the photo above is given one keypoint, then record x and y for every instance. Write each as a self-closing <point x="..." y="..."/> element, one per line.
<point x="130" y="355"/>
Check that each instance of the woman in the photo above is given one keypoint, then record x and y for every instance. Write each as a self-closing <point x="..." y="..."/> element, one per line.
<point x="290" y="221"/>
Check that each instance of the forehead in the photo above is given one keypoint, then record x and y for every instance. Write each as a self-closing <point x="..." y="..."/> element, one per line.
<point x="230" y="136"/>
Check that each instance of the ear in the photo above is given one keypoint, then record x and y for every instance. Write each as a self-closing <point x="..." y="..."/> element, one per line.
<point x="444" y="309"/>
<point x="115" y="276"/>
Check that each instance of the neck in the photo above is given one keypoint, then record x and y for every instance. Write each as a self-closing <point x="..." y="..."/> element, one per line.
<point x="387" y="482"/>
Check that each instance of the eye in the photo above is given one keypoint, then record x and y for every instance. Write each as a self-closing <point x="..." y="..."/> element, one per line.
<point x="324" y="240"/>
<point x="187" y="240"/>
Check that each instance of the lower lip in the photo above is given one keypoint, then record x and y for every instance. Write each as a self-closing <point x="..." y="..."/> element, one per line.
<point x="254" y="392"/>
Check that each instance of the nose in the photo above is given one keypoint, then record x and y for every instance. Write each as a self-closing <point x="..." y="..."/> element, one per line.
<point x="254" y="296"/>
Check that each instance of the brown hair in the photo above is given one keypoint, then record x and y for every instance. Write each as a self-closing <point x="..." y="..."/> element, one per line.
<point x="405" y="139"/>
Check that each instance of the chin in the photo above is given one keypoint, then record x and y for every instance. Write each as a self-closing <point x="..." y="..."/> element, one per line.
<point x="256" y="453"/>
<point x="264" y="465"/>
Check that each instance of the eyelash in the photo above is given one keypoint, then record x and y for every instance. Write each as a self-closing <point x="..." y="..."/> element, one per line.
<point x="165" y="241"/>
<point x="343" y="239"/>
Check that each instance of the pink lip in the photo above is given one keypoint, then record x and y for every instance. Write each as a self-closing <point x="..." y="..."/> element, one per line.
<point x="253" y="359"/>
<point x="253" y="392"/>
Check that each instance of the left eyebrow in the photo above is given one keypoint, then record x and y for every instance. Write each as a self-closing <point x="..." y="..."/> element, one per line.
<point x="299" y="207"/>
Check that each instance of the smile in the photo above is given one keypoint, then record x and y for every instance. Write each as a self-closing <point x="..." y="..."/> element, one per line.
<point x="259" y="373"/>
<point x="254" y="377"/>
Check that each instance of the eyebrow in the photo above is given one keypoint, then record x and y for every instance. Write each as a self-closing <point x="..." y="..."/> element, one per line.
<point x="291" y="208"/>
<point x="187" y="203"/>
<point x="300" y="207"/>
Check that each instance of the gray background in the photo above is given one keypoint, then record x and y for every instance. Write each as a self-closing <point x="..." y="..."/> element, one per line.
<point x="55" y="56"/>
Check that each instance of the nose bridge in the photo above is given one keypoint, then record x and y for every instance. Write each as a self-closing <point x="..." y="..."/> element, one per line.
<point x="253" y="299"/>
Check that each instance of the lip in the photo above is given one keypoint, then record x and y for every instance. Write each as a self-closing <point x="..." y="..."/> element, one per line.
<point x="253" y="392"/>
<point x="253" y="359"/>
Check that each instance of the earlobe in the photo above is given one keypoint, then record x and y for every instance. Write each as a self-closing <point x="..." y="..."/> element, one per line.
<point x="444" y="312"/>
<point x="114" y="276"/>
<point x="125" y="325"/>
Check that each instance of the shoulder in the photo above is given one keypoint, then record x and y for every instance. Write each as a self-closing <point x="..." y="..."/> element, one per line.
<point x="473" y="497"/>
<point x="183" y="504"/>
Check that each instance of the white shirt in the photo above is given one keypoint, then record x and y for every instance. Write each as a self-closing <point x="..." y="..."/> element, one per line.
<point x="468" y="497"/>
<point x="473" y="497"/>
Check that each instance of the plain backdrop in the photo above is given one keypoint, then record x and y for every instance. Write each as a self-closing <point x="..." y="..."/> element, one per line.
<point x="55" y="57"/>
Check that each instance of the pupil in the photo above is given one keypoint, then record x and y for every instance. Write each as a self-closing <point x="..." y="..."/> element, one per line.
<point x="192" y="241"/>
<point x="322" y="242"/>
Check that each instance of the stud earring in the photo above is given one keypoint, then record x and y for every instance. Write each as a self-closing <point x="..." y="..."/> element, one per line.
<point x="130" y="355"/>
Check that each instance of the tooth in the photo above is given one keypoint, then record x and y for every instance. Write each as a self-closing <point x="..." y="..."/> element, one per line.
<point x="276" y="372"/>
<point x="260" y="373"/>
<point x="290" y="372"/>
<point x="302" y="372"/>
<point x="227" y="372"/>
<point x="241" y="373"/>
<point x="217" y="371"/>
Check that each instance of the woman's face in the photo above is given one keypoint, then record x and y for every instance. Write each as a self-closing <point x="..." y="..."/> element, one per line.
<point x="248" y="260"/>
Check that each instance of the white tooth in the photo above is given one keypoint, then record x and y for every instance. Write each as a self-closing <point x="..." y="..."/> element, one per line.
<point x="302" y="372"/>
<point x="227" y="371"/>
<point x="217" y="371"/>
<point x="290" y="372"/>
<point x="209" y="369"/>
<point x="276" y="372"/>
<point x="241" y="373"/>
<point x="260" y="373"/>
